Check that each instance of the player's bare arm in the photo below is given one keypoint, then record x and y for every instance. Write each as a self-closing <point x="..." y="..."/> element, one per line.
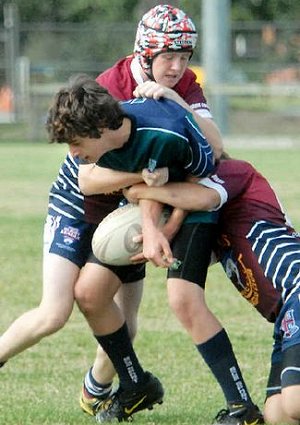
<point x="94" y="179"/>
<point x="174" y="223"/>
<point x="190" y="196"/>
<point x="156" y="247"/>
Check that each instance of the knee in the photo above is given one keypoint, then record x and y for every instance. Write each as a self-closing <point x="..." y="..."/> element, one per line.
<point x="175" y="303"/>
<point x="55" y="323"/>
<point x="291" y="408"/>
<point x="84" y="300"/>
<point x="181" y="308"/>
<point x="272" y="413"/>
<point x="280" y="409"/>
<point x="52" y="322"/>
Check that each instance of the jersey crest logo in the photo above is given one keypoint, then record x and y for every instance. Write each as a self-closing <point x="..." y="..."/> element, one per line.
<point x="152" y="165"/>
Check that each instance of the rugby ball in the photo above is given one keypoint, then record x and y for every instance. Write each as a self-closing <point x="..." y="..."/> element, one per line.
<point x="112" y="241"/>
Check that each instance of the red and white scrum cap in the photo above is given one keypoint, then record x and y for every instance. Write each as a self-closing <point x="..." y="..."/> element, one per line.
<point x="164" y="28"/>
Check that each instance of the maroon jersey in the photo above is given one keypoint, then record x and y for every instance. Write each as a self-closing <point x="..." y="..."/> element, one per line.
<point x="256" y="240"/>
<point x="119" y="81"/>
<point x="248" y="196"/>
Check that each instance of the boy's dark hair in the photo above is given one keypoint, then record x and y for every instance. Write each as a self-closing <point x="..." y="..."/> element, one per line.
<point x="82" y="109"/>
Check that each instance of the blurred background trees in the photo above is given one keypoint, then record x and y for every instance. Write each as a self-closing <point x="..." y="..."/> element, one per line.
<point x="130" y="10"/>
<point x="54" y="39"/>
<point x="89" y="35"/>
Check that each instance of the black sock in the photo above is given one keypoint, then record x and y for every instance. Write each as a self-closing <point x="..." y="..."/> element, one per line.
<point x="119" y="349"/>
<point x="219" y="356"/>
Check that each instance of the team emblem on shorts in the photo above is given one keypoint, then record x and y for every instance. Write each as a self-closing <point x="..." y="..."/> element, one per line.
<point x="288" y="325"/>
<point x="70" y="234"/>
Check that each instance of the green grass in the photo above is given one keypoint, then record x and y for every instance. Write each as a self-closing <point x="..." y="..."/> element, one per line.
<point x="41" y="385"/>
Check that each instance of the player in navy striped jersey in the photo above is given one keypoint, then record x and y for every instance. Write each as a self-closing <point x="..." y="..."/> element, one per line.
<point x="121" y="138"/>
<point x="155" y="70"/>
<point x="260" y="252"/>
<point x="68" y="231"/>
<point x="134" y="135"/>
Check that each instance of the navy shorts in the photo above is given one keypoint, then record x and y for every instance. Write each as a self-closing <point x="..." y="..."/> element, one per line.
<point x="285" y="361"/>
<point x="126" y="274"/>
<point x="193" y="246"/>
<point x="71" y="238"/>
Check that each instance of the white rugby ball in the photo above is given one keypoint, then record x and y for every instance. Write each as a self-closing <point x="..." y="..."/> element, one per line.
<point x="112" y="241"/>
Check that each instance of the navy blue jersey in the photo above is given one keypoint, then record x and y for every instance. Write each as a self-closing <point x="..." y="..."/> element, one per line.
<point x="163" y="134"/>
<point x="65" y="197"/>
<point x="175" y="124"/>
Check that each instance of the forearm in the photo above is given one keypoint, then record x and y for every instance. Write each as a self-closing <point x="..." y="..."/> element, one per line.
<point x="174" y="223"/>
<point x="93" y="179"/>
<point x="150" y="211"/>
<point x="187" y="196"/>
<point x="156" y="247"/>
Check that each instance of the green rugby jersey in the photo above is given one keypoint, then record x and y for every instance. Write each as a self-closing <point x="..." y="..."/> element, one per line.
<point x="163" y="134"/>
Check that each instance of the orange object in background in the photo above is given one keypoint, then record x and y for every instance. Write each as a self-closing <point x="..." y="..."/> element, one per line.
<point x="198" y="70"/>
<point x="6" y="96"/>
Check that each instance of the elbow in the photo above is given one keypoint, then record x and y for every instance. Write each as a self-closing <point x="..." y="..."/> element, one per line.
<point x="216" y="141"/>
<point x="217" y="147"/>
<point x="84" y="186"/>
<point x="85" y="191"/>
<point x="218" y="151"/>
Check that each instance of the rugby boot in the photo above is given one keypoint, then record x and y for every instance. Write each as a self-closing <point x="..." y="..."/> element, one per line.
<point x="121" y="405"/>
<point x="239" y="414"/>
<point x="91" y="404"/>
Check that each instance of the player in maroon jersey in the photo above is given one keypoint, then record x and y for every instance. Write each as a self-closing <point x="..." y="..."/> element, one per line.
<point x="260" y="253"/>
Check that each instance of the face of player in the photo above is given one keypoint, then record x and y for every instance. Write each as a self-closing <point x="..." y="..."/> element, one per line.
<point x="91" y="149"/>
<point x="168" y="68"/>
<point x="87" y="149"/>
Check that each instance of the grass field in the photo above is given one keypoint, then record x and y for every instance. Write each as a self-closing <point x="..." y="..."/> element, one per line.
<point x="41" y="385"/>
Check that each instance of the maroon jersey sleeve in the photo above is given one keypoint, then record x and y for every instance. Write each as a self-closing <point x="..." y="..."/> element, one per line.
<point x="192" y="93"/>
<point x="249" y="196"/>
<point x="97" y="207"/>
<point x="235" y="176"/>
<point x="118" y="79"/>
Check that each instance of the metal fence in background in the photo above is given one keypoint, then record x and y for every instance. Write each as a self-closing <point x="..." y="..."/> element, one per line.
<point x="265" y="63"/>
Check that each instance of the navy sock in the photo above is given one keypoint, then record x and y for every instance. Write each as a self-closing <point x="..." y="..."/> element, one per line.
<point x="119" y="349"/>
<point x="219" y="356"/>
